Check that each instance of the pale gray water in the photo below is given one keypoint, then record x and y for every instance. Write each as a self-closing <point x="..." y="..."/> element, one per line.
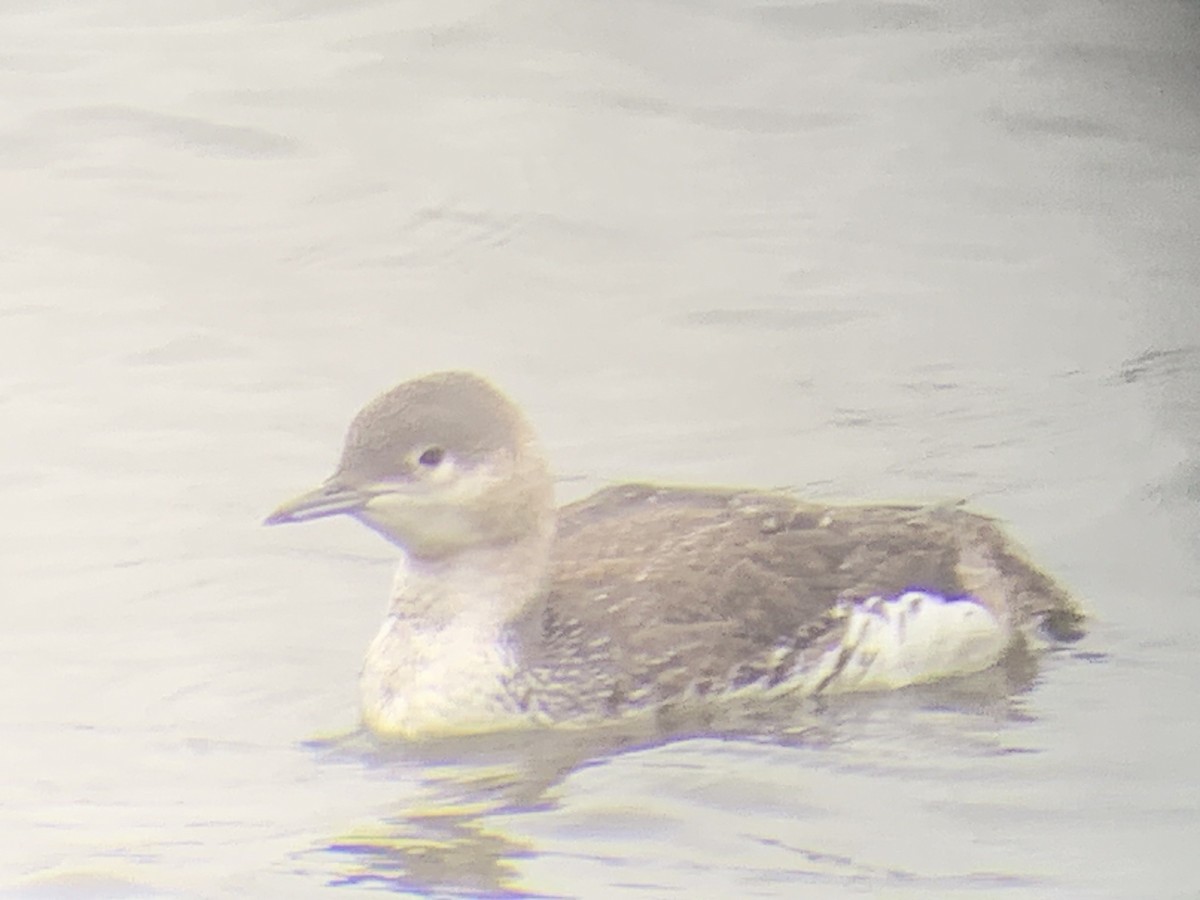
<point x="864" y="249"/>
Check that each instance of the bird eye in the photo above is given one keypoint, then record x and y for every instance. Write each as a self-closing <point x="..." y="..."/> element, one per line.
<point x="432" y="457"/>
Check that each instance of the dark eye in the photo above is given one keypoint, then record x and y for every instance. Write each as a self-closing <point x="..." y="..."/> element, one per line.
<point x="432" y="457"/>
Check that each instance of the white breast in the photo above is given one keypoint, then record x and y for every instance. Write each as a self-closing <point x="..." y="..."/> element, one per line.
<point x="419" y="681"/>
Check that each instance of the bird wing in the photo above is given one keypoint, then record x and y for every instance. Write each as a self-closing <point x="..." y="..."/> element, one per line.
<point x="676" y="590"/>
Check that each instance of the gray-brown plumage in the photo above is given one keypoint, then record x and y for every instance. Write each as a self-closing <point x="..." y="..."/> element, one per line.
<point x="505" y="612"/>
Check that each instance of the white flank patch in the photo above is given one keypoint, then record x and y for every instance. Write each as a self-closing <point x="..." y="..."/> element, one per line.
<point x="890" y="642"/>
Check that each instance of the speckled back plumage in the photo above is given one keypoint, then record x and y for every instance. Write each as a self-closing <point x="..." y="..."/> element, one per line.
<point x="657" y="593"/>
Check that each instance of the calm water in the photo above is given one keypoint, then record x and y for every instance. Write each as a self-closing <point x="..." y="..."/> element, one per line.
<point x="865" y="250"/>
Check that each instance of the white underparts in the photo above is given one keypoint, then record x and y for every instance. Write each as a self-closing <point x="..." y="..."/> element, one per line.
<point x="428" y="675"/>
<point x="440" y="663"/>
<point x="421" y="681"/>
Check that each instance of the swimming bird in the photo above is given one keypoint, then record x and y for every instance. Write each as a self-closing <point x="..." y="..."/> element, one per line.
<point x="507" y="613"/>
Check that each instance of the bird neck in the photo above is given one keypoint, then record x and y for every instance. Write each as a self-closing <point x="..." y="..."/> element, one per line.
<point x="441" y="660"/>
<point x="487" y="584"/>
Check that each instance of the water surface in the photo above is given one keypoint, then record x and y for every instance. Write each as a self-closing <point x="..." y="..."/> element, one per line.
<point x="863" y="250"/>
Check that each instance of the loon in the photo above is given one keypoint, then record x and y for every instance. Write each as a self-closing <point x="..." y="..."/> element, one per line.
<point x="508" y="613"/>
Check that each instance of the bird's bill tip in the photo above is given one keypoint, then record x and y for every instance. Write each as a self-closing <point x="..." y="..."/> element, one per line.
<point x="330" y="499"/>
